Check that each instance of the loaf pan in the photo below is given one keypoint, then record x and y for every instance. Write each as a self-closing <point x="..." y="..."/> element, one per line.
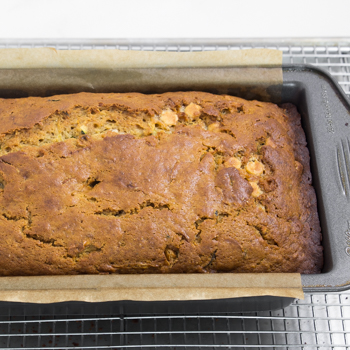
<point x="325" y="112"/>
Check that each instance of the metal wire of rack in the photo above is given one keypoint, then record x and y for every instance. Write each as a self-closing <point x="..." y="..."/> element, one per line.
<point x="321" y="321"/>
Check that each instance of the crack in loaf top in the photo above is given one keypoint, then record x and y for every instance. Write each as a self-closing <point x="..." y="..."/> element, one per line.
<point x="133" y="183"/>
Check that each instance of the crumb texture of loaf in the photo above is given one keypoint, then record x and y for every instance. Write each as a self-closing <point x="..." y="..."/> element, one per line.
<point x="179" y="182"/>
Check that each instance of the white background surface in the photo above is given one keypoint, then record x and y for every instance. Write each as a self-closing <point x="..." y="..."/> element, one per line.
<point x="174" y="19"/>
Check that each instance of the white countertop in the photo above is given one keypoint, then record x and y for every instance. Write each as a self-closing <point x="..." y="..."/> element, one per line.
<point x="174" y="19"/>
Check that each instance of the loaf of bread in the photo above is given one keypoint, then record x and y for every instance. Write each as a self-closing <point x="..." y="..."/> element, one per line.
<point x="174" y="183"/>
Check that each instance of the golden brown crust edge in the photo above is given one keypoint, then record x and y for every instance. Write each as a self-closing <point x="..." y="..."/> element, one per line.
<point x="179" y="182"/>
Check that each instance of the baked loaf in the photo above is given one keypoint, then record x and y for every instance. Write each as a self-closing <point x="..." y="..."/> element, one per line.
<point x="131" y="183"/>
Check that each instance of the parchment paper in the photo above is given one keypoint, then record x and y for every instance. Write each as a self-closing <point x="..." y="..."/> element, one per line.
<point x="52" y="58"/>
<point x="48" y="289"/>
<point x="252" y="74"/>
<point x="43" y="72"/>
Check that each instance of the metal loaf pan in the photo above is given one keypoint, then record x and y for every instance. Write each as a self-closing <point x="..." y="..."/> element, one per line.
<point x="325" y="112"/>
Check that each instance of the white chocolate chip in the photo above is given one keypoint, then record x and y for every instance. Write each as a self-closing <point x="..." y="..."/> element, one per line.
<point x="193" y="110"/>
<point x="256" y="189"/>
<point x="83" y="129"/>
<point x="214" y="127"/>
<point x="233" y="162"/>
<point x="255" y="167"/>
<point x="299" y="167"/>
<point x="261" y="207"/>
<point x="169" y="117"/>
<point x="115" y="130"/>
<point x="270" y="143"/>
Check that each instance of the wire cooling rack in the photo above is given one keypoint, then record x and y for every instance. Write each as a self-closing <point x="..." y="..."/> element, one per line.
<point x="321" y="321"/>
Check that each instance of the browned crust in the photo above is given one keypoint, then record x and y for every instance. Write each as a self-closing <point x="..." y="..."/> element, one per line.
<point x="159" y="203"/>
